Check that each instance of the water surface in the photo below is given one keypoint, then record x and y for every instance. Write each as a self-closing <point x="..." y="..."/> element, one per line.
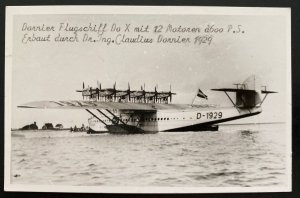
<point x="236" y="155"/>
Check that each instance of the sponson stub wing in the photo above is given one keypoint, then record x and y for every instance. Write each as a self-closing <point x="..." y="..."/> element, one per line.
<point x="77" y="104"/>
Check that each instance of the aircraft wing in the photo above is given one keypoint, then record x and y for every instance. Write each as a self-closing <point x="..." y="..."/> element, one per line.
<point x="77" y="104"/>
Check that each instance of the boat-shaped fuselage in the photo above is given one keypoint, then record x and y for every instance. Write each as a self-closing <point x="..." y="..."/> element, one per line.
<point x="190" y="118"/>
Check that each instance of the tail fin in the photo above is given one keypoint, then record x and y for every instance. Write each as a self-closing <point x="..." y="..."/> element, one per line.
<point x="248" y="94"/>
<point x="251" y="96"/>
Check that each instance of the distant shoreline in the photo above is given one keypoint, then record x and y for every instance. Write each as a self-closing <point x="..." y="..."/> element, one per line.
<point x="64" y="129"/>
<point x="224" y="124"/>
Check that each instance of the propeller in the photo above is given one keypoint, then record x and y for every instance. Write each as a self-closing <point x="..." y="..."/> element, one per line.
<point x="98" y="90"/>
<point x="170" y="93"/>
<point x="91" y="92"/>
<point x="144" y="93"/>
<point x="155" y="93"/>
<point x="115" y="92"/>
<point x="81" y="89"/>
<point x="128" y="91"/>
<point x="98" y="93"/>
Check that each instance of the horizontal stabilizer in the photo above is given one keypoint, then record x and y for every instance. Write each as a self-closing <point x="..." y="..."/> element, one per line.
<point x="268" y="92"/>
<point x="235" y="90"/>
<point x="243" y="90"/>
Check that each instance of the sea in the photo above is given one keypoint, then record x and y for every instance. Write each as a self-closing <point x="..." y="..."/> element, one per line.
<point x="252" y="155"/>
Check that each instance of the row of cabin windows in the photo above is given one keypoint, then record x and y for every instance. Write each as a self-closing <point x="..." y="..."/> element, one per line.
<point x="146" y="119"/>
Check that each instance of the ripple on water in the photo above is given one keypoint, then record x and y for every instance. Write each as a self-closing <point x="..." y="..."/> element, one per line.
<point x="80" y="174"/>
<point x="22" y="155"/>
<point x="237" y="182"/>
<point x="168" y="179"/>
<point x="58" y="171"/>
<point x="260" y="178"/>
<point x="276" y="173"/>
<point x="216" y="175"/>
<point x="45" y="153"/>
<point x="22" y="160"/>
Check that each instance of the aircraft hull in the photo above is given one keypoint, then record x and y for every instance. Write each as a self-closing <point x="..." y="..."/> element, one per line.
<point x="193" y="119"/>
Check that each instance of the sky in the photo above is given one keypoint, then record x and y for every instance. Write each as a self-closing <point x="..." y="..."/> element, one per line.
<point x="53" y="71"/>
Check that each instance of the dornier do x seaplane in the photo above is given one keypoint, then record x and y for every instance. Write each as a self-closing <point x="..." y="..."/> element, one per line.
<point x="141" y="111"/>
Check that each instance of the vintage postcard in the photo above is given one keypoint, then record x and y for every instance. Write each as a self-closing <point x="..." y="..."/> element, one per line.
<point x="125" y="99"/>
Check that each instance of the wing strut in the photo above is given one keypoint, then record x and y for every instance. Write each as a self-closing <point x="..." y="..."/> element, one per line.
<point x="116" y="117"/>
<point x="112" y="120"/>
<point x="96" y="117"/>
<point x="117" y="128"/>
<point x="266" y="92"/>
<point x="263" y="99"/>
<point x="231" y="101"/>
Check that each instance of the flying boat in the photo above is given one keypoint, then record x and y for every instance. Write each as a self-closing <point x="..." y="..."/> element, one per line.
<point x="140" y="111"/>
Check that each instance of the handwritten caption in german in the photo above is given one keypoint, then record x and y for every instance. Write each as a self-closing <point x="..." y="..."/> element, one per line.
<point x="128" y="33"/>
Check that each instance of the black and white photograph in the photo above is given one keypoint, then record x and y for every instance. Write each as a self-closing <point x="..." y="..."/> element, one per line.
<point x="146" y="99"/>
